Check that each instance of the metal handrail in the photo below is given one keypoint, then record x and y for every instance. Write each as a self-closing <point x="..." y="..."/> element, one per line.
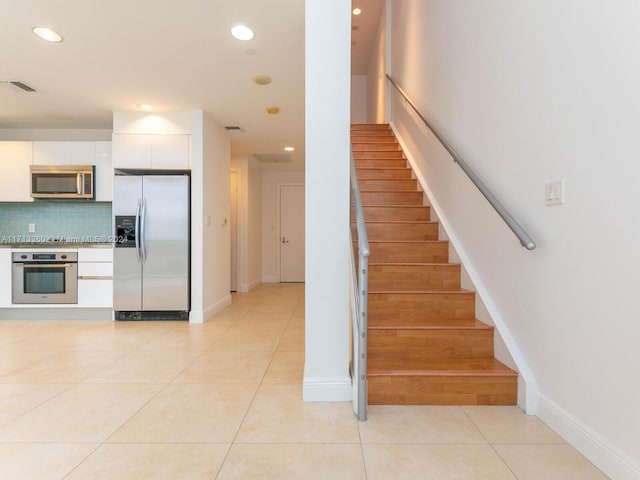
<point x="516" y="228"/>
<point x="361" y="319"/>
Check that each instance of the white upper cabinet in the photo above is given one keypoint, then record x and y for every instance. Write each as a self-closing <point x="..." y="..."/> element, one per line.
<point x="64" y="153"/>
<point x="15" y="158"/>
<point x="166" y="151"/>
<point x="104" y="172"/>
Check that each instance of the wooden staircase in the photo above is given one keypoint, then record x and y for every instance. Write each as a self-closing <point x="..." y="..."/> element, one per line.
<point x="425" y="345"/>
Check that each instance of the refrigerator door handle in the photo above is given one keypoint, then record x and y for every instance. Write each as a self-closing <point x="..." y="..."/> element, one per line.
<point x="136" y="232"/>
<point x="143" y="219"/>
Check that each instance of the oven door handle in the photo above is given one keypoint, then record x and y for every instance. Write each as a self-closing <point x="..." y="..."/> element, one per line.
<point x="79" y="183"/>
<point x="41" y="265"/>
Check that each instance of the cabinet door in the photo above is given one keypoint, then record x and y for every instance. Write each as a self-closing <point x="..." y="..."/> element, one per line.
<point x="104" y="172"/>
<point x="95" y="293"/>
<point x="95" y="278"/>
<point x="131" y="150"/>
<point x="15" y="158"/>
<point x="95" y="254"/>
<point x="79" y="153"/>
<point x="48" y="153"/>
<point x="170" y="152"/>
<point x="5" y="277"/>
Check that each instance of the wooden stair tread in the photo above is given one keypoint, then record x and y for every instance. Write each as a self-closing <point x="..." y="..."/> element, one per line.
<point x="462" y="367"/>
<point x="406" y="241"/>
<point x="411" y="264"/>
<point x="460" y="291"/>
<point x="462" y="324"/>
<point x="410" y="222"/>
<point x="396" y="206"/>
<point x="382" y="168"/>
<point x="390" y="191"/>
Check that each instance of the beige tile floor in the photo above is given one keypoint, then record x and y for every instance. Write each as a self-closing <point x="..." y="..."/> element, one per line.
<point x="170" y="400"/>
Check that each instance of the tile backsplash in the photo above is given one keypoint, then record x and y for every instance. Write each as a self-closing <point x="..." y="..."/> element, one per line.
<point x="72" y="221"/>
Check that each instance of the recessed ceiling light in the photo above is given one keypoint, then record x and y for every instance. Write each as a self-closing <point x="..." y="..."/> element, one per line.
<point x="273" y="110"/>
<point x="289" y="149"/>
<point x="47" y="34"/>
<point x="145" y="106"/>
<point x="261" y="79"/>
<point x="356" y="11"/>
<point x="242" y="32"/>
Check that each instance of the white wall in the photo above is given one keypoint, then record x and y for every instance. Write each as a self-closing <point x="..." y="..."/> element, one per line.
<point x="152" y="123"/>
<point x="52" y="134"/>
<point x="358" y="99"/>
<point x="376" y="81"/>
<point x="327" y="78"/>
<point x="254" y="222"/>
<point x="530" y="92"/>
<point x="271" y="181"/>
<point x="214" y="216"/>
<point x="210" y="213"/>
<point x="249" y="222"/>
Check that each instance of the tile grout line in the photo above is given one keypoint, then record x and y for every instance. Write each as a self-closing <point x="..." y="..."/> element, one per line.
<point x="488" y="442"/>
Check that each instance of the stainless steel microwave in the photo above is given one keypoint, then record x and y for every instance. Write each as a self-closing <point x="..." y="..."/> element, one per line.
<point x="63" y="181"/>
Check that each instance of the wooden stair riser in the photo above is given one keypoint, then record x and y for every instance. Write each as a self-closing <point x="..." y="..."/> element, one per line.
<point x="375" y="147"/>
<point x="373" y="137"/>
<point x="370" y="127"/>
<point x="410" y="309"/>
<point x="414" y="277"/>
<point x="381" y="163"/>
<point x="391" y="198"/>
<point x="415" y="348"/>
<point x="410" y="252"/>
<point x="405" y="213"/>
<point x="402" y="231"/>
<point x="404" y="185"/>
<point x="358" y="155"/>
<point x="383" y="173"/>
<point x="442" y="390"/>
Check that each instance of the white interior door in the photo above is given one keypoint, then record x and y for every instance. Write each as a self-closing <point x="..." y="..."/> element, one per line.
<point x="292" y="233"/>
<point x="234" y="232"/>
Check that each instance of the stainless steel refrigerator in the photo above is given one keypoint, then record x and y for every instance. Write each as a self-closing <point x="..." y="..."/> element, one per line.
<point x="151" y="270"/>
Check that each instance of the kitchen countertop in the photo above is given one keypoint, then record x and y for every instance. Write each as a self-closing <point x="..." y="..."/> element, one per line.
<point x="31" y="245"/>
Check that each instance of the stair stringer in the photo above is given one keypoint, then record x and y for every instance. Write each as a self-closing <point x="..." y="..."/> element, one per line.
<point x="527" y="385"/>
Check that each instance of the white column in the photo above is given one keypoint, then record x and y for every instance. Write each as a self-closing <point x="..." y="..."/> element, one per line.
<point x="327" y="102"/>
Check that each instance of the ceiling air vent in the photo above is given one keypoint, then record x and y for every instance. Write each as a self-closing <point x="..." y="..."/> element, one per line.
<point x="21" y="85"/>
<point x="233" y="129"/>
<point x="273" y="157"/>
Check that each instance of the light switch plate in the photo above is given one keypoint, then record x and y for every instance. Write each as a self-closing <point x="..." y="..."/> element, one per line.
<point x="554" y="193"/>
<point x="32" y="227"/>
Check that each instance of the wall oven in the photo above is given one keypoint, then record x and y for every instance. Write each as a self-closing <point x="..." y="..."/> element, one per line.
<point x="45" y="277"/>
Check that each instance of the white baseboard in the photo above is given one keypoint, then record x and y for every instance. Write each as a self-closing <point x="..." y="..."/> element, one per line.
<point x="527" y="386"/>
<point x="598" y="450"/>
<point x="201" y="316"/>
<point x="327" y="389"/>
<point x="270" y="279"/>
<point x="247" y="287"/>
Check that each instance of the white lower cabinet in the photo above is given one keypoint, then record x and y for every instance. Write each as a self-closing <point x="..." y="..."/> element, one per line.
<point x="95" y="277"/>
<point x="5" y="277"/>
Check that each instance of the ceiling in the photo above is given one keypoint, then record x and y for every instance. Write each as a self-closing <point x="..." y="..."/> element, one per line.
<point x="176" y="56"/>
